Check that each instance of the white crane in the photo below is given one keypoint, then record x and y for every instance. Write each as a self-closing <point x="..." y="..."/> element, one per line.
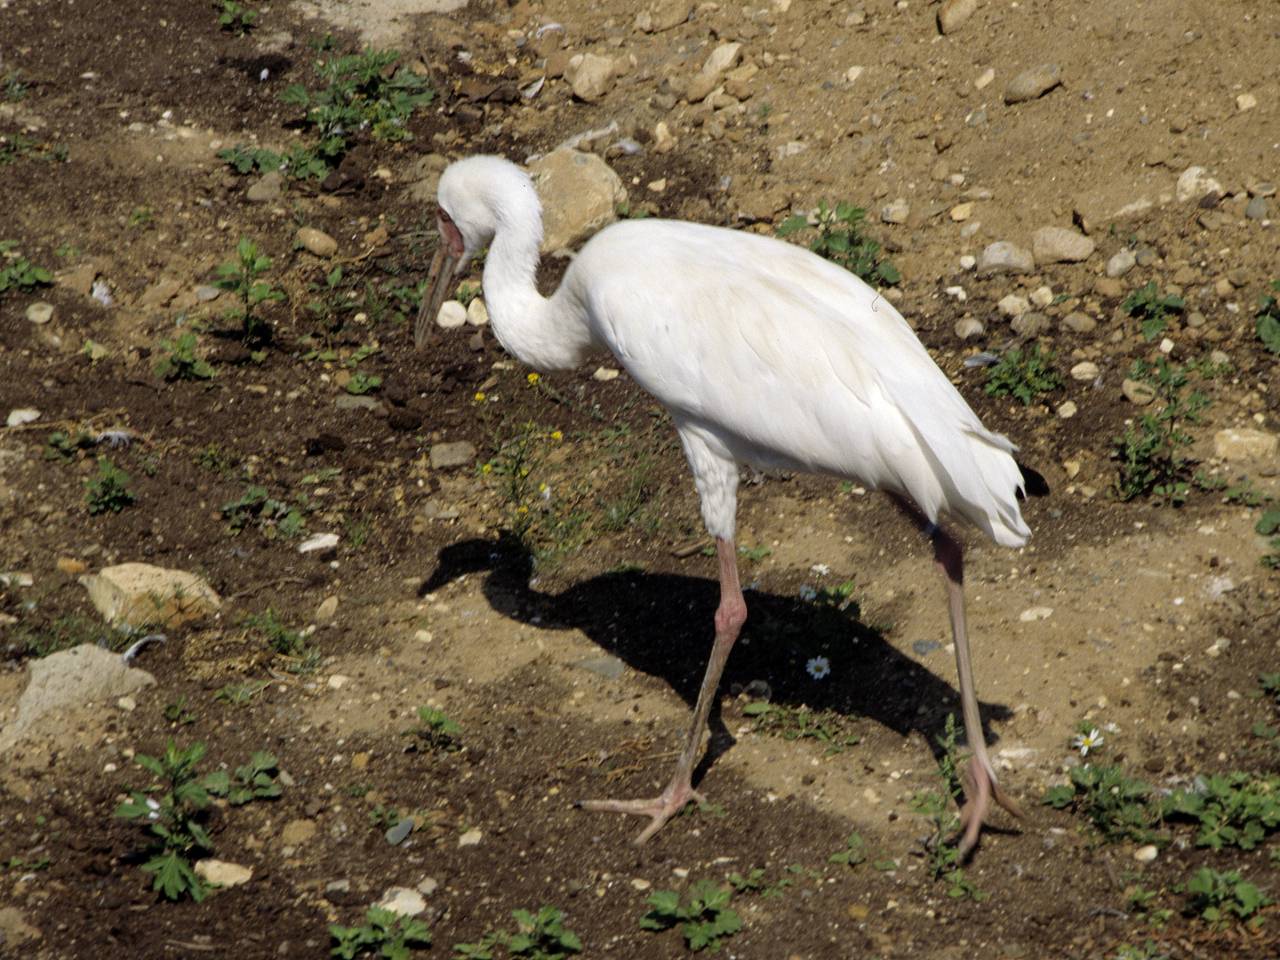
<point x="763" y="353"/>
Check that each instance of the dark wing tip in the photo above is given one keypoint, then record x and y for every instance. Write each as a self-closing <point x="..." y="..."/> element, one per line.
<point x="1033" y="482"/>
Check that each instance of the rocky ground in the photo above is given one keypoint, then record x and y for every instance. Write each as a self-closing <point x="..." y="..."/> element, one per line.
<point x="357" y="536"/>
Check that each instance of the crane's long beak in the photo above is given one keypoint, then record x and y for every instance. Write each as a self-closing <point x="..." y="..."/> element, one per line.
<point x="444" y="267"/>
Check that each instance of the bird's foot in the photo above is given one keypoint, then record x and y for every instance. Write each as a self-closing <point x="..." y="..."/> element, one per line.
<point x="659" y="809"/>
<point x="980" y="787"/>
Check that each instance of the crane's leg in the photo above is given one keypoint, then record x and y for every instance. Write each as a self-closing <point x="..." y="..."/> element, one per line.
<point x="730" y="616"/>
<point x="979" y="776"/>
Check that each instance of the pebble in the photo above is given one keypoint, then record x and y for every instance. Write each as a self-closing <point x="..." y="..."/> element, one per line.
<point x="1005" y="257"/>
<point x="268" y="188"/>
<point x="1086" y="371"/>
<point x="722" y="58"/>
<point x="327" y="609"/>
<point x="206" y="293"/>
<point x="1030" y="324"/>
<point x="41" y="312"/>
<point x="969" y="328"/>
<point x="896" y="212"/>
<point x="663" y="141"/>
<point x="22" y="415"/>
<point x="1193" y="184"/>
<point x="1033" y="83"/>
<point x="962" y="211"/>
<point x="1061" y="245"/>
<point x="605" y="374"/>
<point x="297" y="832"/>
<point x="222" y="873"/>
<point x="403" y="901"/>
<point x="593" y="77"/>
<point x="954" y="13"/>
<point x="477" y="313"/>
<point x="1246" y="101"/>
<point x="316" y="241"/>
<point x="957" y="293"/>
<point x="1042" y="296"/>
<point x="452" y="315"/>
<point x="1013" y="305"/>
<point x="1255" y="209"/>
<point x="397" y="834"/>
<point x="319" y="543"/>
<point x="1121" y="263"/>
<point x="471" y="838"/>
<point x="1137" y="391"/>
<point x="607" y="666"/>
<point x="1244" y="443"/>
<point x="968" y="262"/>
<point x="1035" y="613"/>
<point x="127" y="704"/>
<point x="922" y="648"/>
<point x="456" y="454"/>
<point x="427" y="886"/>
<point x="985" y="79"/>
<point x="1067" y="409"/>
<point x="666" y="14"/>
<point x="337" y="681"/>
<point x="1146" y="853"/>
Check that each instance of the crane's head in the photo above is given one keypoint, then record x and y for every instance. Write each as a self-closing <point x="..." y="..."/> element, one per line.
<point x="478" y="196"/>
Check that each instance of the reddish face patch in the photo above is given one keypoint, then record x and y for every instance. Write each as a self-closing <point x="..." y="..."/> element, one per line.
<point x="450" y="236"/>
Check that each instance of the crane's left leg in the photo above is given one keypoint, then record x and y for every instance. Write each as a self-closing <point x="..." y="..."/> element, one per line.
<point x="730" y="616"/>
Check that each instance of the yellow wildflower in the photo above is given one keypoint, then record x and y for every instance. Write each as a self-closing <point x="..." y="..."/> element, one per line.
<point x="479" y="397"/>
<point x="557" y="435"/>
<point x="487" y="468"/>
<point x="533" y="378"/>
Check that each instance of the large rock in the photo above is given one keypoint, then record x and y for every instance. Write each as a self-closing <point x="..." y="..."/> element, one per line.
<point x="1244" y="443"/>
<point x="593" y="77"/>
<point x="69" y="680"/>
<point x="579" y="194"/>
<point x="1061" y="245"/>
<point x="140" y="595"/>
<point x="1005" y="257"/>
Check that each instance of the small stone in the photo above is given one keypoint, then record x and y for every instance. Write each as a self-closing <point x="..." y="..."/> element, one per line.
<point x="327" y="610"/>
<point x="1078" y="322"/>
<point x="896" y="212"/>
<point x="969" y="328"/>
<point x="605" y="374"/>
<point x="1255" y="209"/>
<point x="71" y="566"/>
<point x="1146" y="853"/>
<point x="320" y="543"/>
<point x="1109" y="287"/>
<point x="968" y="262"/>
<point x="347" y="401"/>
<point x="1033" y="83"/>
<point x="207" y="293"/>
<point x="663" y="141"/>
<point x="316" y="241"/>
<point x="1067" y="409"/>
<point x="427" y="886"/>
<point x="1086" y="371"/>
<point x="222" y="873"/>
<point x="337" y="681"/>
<point x="1121" y="263"/>
<point x="1246" y="101"/>
<point x="953" y="14"/>
<point x="607" y="666"/>
<point x="985" y="79"/>
<point x="268" y="188"/>
<point x="477" y="313"/>
<point x="1005" y="257"/>
<point x="1042" y="296"/>
<point x="452" y="315"/>
<point x="1035" y="613"/>
<point x="853" y="73"/>
<point x="403" y="901"/>
<point x="1137" y="391"/>
<point x="1030" y="324"/>
<point x="41" y="312"/>
<point x="1194" y="184"/>
<point x="667" y="14"/>
<point x="297" y="832"/>
<point x="593" y="78"/>
<point x="580" y="194"/>
<point x="1244" y="443"/>
<point x="640" y="884"/>
<point x="445" y="456"/>
<point x="127" y="704"/>
<point x="1061" y="245"/>
<point x="1013" y="305"/>
<point x="470" y="838"/>
<point x="397" y="834"/>
<point x="962" y="211"/>
<point x="22" y="415"/>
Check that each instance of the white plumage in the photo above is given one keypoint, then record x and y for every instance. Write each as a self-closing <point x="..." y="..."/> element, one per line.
<point x="763" y="353"/>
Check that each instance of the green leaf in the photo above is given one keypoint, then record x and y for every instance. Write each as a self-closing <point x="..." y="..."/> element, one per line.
<point x="1269" y="331"/>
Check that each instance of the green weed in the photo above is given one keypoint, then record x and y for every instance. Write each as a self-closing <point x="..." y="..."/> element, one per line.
<point x="1268" y="318"/>
<point x="1269" y="526"/>
<point x="1231" y="809"/>
<point x="1119" y="807"/>
<point x="705" y="918"/>
<point x="1151" y="454"/>
<point x="839" y="239"/>
<point x="1217" y="898"/>
<point x="236" y="17"/>
<point x="939" y="806"/>
<point x="538" y="936"/>
<point x="300" y="163"/>
<point x="19" y="273"/>
<point x="1023" y="376"/>
<point x="243" y="277"/>
<point x="179" y="361"/>
<point x="256" y="780"/>
<point x="854" y="852"/>
<point x="438" y="731"/>
<point x="108" y="490"/>
<point x="1151" y="309"/>
<point x="800" y="723"/>
<point x="383" y="934"/>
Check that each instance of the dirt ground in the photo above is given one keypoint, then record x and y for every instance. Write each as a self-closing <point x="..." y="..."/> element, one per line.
<point x="571" y="674"/>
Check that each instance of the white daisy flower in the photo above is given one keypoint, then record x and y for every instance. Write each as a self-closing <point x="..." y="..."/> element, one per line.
<point x="820" y="569"/>
<point x="818" y="667"/>
<point x="1084" y="742"/>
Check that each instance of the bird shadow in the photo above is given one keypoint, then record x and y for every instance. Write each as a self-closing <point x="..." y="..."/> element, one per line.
<point x="661" y="624"/>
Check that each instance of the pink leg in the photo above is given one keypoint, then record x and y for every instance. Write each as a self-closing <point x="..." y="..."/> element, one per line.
<point x="730" y="616"/>
<point x="979" y="775"/>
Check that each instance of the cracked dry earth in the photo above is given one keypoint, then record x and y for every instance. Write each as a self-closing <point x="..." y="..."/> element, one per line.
<point x="574" y="679"/>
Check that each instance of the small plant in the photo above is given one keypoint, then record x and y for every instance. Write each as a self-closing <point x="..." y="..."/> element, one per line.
<point x="256" y="780"/>
<point x="1023" y="376"/>
<point x="64" y="633"/>
<point x="286" y="642"/>
<point x="141" y="218"/>
<point x="1218" y="897"/>
<point x="13" y="86"/>
<point x="1148" y="951"/>
<point x="705" y="918"/>
<point x="1268" y="317"/>
<point x="236" y="17"/>
<point x="242" y="276"/>
<point x="854" y="852"/>
<point x="1232" y="809"/>
<point x="383" y="934"/>
<point x="300" y="163"/>
<point x="939" y="806"/>
<point x="19" y="273"/>
<point x="179" y="360"/>
<point x="1269" y="526"/>
<point x="65" y="446"/>
<point x="1119" y="807"/>
<point x="467" y="291"/>
<point x="362" y="383"/>
<point x="801" y="723"/>
<point x="438" y="731"/>
<point x="256" y="506"/>
<point x="178" y="714"/>
<point x="108" y="490"/>
<point x="840" y="240"/>
<point x="238" y="694"/>
<point x="540" y="936"/>
<point x="171" y="811"/>
<point x="1151" y="309"/>
<point x="1152" y="462"/>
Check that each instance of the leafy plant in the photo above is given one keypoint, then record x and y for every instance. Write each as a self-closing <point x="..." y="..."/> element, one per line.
<point x="238" y="694"/>
<point x="256" y="506"/>
<point x="939" y="806"/>
<point x="839" y="239"/>
<point x="179" y="360"/>
<point x="383" y="934"/>
<point x="1152" y="462"/>
<point x="1268" y="317"/>
<point x="1023" y="376"/>
<point x="64" y="446"/>
<point x="108" y="491"/>
<point x="300" y="163"/>
<point x="1119" y="807"/>
<point x="19" y="273"/>
<point x="177" y="712"/>
<point x="1151" y="309"/>
<point x="437" y="730"/>
<point x="1217" y="897"/>
<point x="542" y="935"/>
<point x="801" y="723"/>
<point x="65" y="632"/>
<point x="1269" y="526"/>
<point x="256" y="780"/>
<point x="705" y="918"/>
<point x="1231" y="809"/>
<point x="362" y="383"/>
<point x="171" y="812"/>
<point x="854" y="852"/>
<point x="242" y="276"/>
<point x="237" y="17"/>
